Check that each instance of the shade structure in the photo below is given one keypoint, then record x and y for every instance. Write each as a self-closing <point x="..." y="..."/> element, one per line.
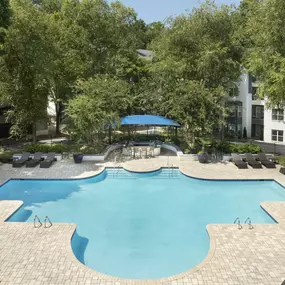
<point x="148" y="120"/>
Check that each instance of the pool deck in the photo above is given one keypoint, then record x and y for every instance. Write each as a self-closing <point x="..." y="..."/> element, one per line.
<point x="31" y="255"/>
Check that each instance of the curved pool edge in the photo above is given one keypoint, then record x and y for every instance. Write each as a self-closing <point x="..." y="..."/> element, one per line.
<point x="101" y="171"/>
<point x="204" y="262"/>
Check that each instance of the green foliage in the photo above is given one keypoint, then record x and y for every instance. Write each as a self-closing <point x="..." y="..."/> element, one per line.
<point x="101" y="103"/>
<point x="25" y="68"/>
<point x="200" y="46"/>
<point x="226" y="147"/>
<point x="265" y="57"/>
<point x="57" y="148"/>
<point x="198" y="108"/>
<point x="281" y="160"/>
<point x="5" y="14"/>
<point x="6" y="155"/>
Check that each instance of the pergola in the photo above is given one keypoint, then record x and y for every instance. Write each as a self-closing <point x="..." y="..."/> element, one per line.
<point x="148" y="121"/>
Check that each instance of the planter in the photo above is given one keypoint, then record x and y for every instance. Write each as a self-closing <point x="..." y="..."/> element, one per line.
<point x="77" y="158"/>
<point x="203" y="158"/>
<point x="282" y="170"/>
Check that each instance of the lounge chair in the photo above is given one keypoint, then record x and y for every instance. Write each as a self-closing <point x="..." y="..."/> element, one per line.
<point x="35" y="160"/>
<point x="20" y="162"/>
<point x="251" y="161"/>
<point x="48" y="161"/>
<point x="267" y="163"/>
<point x="237" y="160"/>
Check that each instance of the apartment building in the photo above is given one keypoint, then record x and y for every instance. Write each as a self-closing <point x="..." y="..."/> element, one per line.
<point x="248" y="110"/>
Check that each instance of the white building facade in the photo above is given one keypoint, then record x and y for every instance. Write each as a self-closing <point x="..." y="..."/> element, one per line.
<point x="249" y="111"/>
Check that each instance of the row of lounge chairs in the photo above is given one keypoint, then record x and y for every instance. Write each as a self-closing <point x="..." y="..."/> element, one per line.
<point x="253" y="162"/>
<point x="37" y="159"/>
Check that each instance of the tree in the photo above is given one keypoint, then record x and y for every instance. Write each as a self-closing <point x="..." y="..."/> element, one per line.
<point x="69" y="40"/>
<point x="153" y="31"/>
<point x="200" y="46"/>
<point x="196" y="61"/>
<point x="266" y="57"/>
<point x="26" y="67"/>
<point x="101" y="102"/>
<point x="197" y="107"/>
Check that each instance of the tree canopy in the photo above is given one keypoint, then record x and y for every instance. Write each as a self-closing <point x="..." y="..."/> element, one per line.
<point x="82" y="55"/>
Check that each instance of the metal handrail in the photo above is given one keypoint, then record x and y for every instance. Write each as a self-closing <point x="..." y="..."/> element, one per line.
<point x="248" y="221"/>
<point x="45" y="222"/>
<point x="37" y="218"/>
<point x="237" y="220"/>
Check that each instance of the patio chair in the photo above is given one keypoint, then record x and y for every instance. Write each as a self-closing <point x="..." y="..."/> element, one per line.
<point x="48" y="161"/>
<point x="264" y="161"/>
<point x="20" y="162"/>
<point x="237" y="160"/>
<point x="35" y="160"/>
<point x="251" y="161"/>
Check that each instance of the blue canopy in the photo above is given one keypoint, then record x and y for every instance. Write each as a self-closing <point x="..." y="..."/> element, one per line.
<point x="149" y="120"/>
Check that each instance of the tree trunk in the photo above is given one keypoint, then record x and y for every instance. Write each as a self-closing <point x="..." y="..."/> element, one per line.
<point x="57" y="117"/>
<point x="34" y="133"/>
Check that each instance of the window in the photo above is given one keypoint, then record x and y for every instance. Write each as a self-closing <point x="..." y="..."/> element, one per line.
<point x="255" y="93"/>
<point x="277" y="135"/>
<point x="257" y="112"/>
<point x="277" y="114"/>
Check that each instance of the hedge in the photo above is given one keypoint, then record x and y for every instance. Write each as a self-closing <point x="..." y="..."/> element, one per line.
<point x="226" y="147"/>
<point x="57" y="148"/>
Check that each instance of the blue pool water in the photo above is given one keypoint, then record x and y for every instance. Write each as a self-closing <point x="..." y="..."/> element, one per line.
<point x="141" y="226"/>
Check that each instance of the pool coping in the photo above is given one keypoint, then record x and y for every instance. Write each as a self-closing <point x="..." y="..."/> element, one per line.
<point x="104" y="168"/>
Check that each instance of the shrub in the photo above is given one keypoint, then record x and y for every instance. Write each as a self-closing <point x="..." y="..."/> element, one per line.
<point x="6" y="156"/>
<point x="58" y="148"/>
<point x="226" y="147"/>
<point x="282" y="160"/>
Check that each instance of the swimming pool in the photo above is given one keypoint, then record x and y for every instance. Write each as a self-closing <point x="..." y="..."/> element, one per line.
<point x="141" y="226"/>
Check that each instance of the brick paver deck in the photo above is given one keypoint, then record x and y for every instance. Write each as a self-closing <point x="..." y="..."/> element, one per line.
<point x="31" y="255"/>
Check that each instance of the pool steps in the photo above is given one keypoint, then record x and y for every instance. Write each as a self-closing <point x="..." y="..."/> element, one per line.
<point x="120" y="173"/>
